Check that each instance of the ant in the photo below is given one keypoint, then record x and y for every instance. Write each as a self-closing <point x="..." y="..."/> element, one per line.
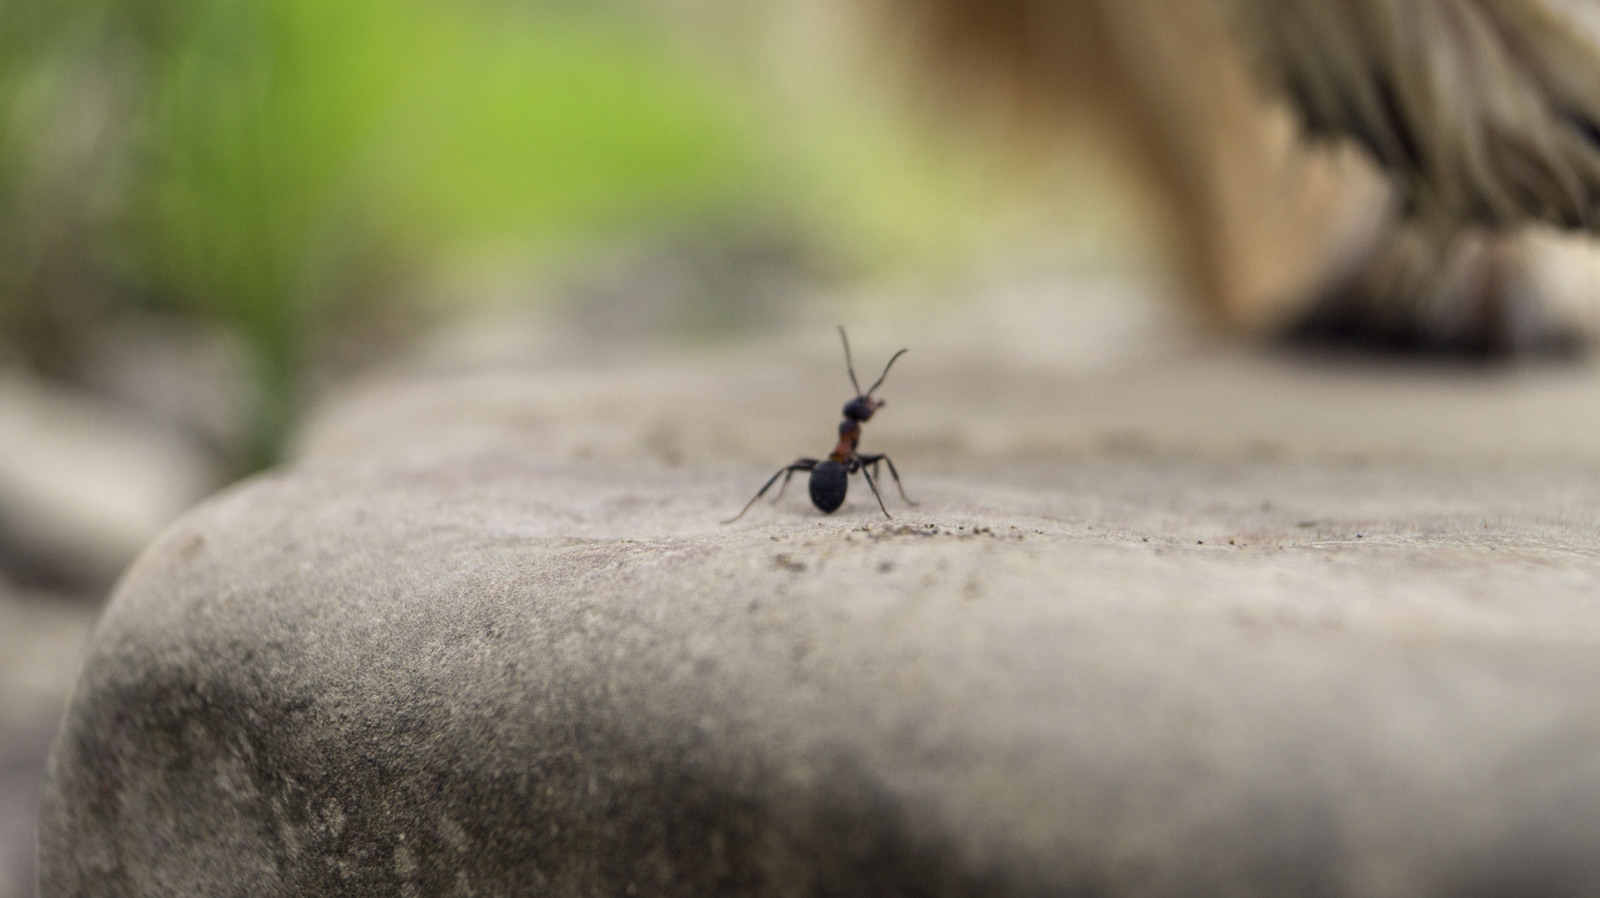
<point x="829" y="477"/>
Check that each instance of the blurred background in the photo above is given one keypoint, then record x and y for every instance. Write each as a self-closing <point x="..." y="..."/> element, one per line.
<point x="213" y="210"/>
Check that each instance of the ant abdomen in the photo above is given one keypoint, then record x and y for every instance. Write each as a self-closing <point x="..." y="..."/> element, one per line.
<point x="829" y="480"/>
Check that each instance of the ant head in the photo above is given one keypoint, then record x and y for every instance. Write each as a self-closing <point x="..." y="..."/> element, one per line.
<point x="862" y="407"/>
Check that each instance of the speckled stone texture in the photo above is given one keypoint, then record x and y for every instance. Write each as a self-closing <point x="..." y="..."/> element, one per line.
<point x="489" y="638"/>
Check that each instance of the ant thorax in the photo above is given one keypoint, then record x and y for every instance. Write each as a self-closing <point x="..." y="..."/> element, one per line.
<point x="849" y="436"/>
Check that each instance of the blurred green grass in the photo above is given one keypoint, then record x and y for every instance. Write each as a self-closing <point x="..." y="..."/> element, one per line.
<point x="276" y="167"/>
<point x="294" y="145"/>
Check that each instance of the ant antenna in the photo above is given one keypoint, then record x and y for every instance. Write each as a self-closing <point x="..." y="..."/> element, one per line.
<point x="847" y="365"/>
<point x="886" y="371"/>
<point x="852" y="368"/>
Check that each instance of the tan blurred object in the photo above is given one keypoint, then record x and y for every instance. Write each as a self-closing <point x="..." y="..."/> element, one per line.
<point x="1481" y="113"/>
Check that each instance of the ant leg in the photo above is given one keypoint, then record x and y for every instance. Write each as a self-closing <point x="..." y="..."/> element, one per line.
<point x="789" y="472"/>
<point x="873" y="461"/>
<point x="875" y="494"/>
<point x="804" y="464"/>
<point x="896" y="474"/>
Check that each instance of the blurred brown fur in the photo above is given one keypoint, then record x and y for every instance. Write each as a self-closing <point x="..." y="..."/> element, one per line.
<point x="1470" y="133"/>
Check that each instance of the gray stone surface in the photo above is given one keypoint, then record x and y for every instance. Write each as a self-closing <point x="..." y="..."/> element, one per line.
<point x="1227" y="625"/>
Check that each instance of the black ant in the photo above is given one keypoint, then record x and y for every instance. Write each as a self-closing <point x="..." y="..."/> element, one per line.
<point x="829" y="477"/>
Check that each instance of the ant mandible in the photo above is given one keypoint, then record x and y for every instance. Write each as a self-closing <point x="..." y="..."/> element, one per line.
<point x="829" y="477"/>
